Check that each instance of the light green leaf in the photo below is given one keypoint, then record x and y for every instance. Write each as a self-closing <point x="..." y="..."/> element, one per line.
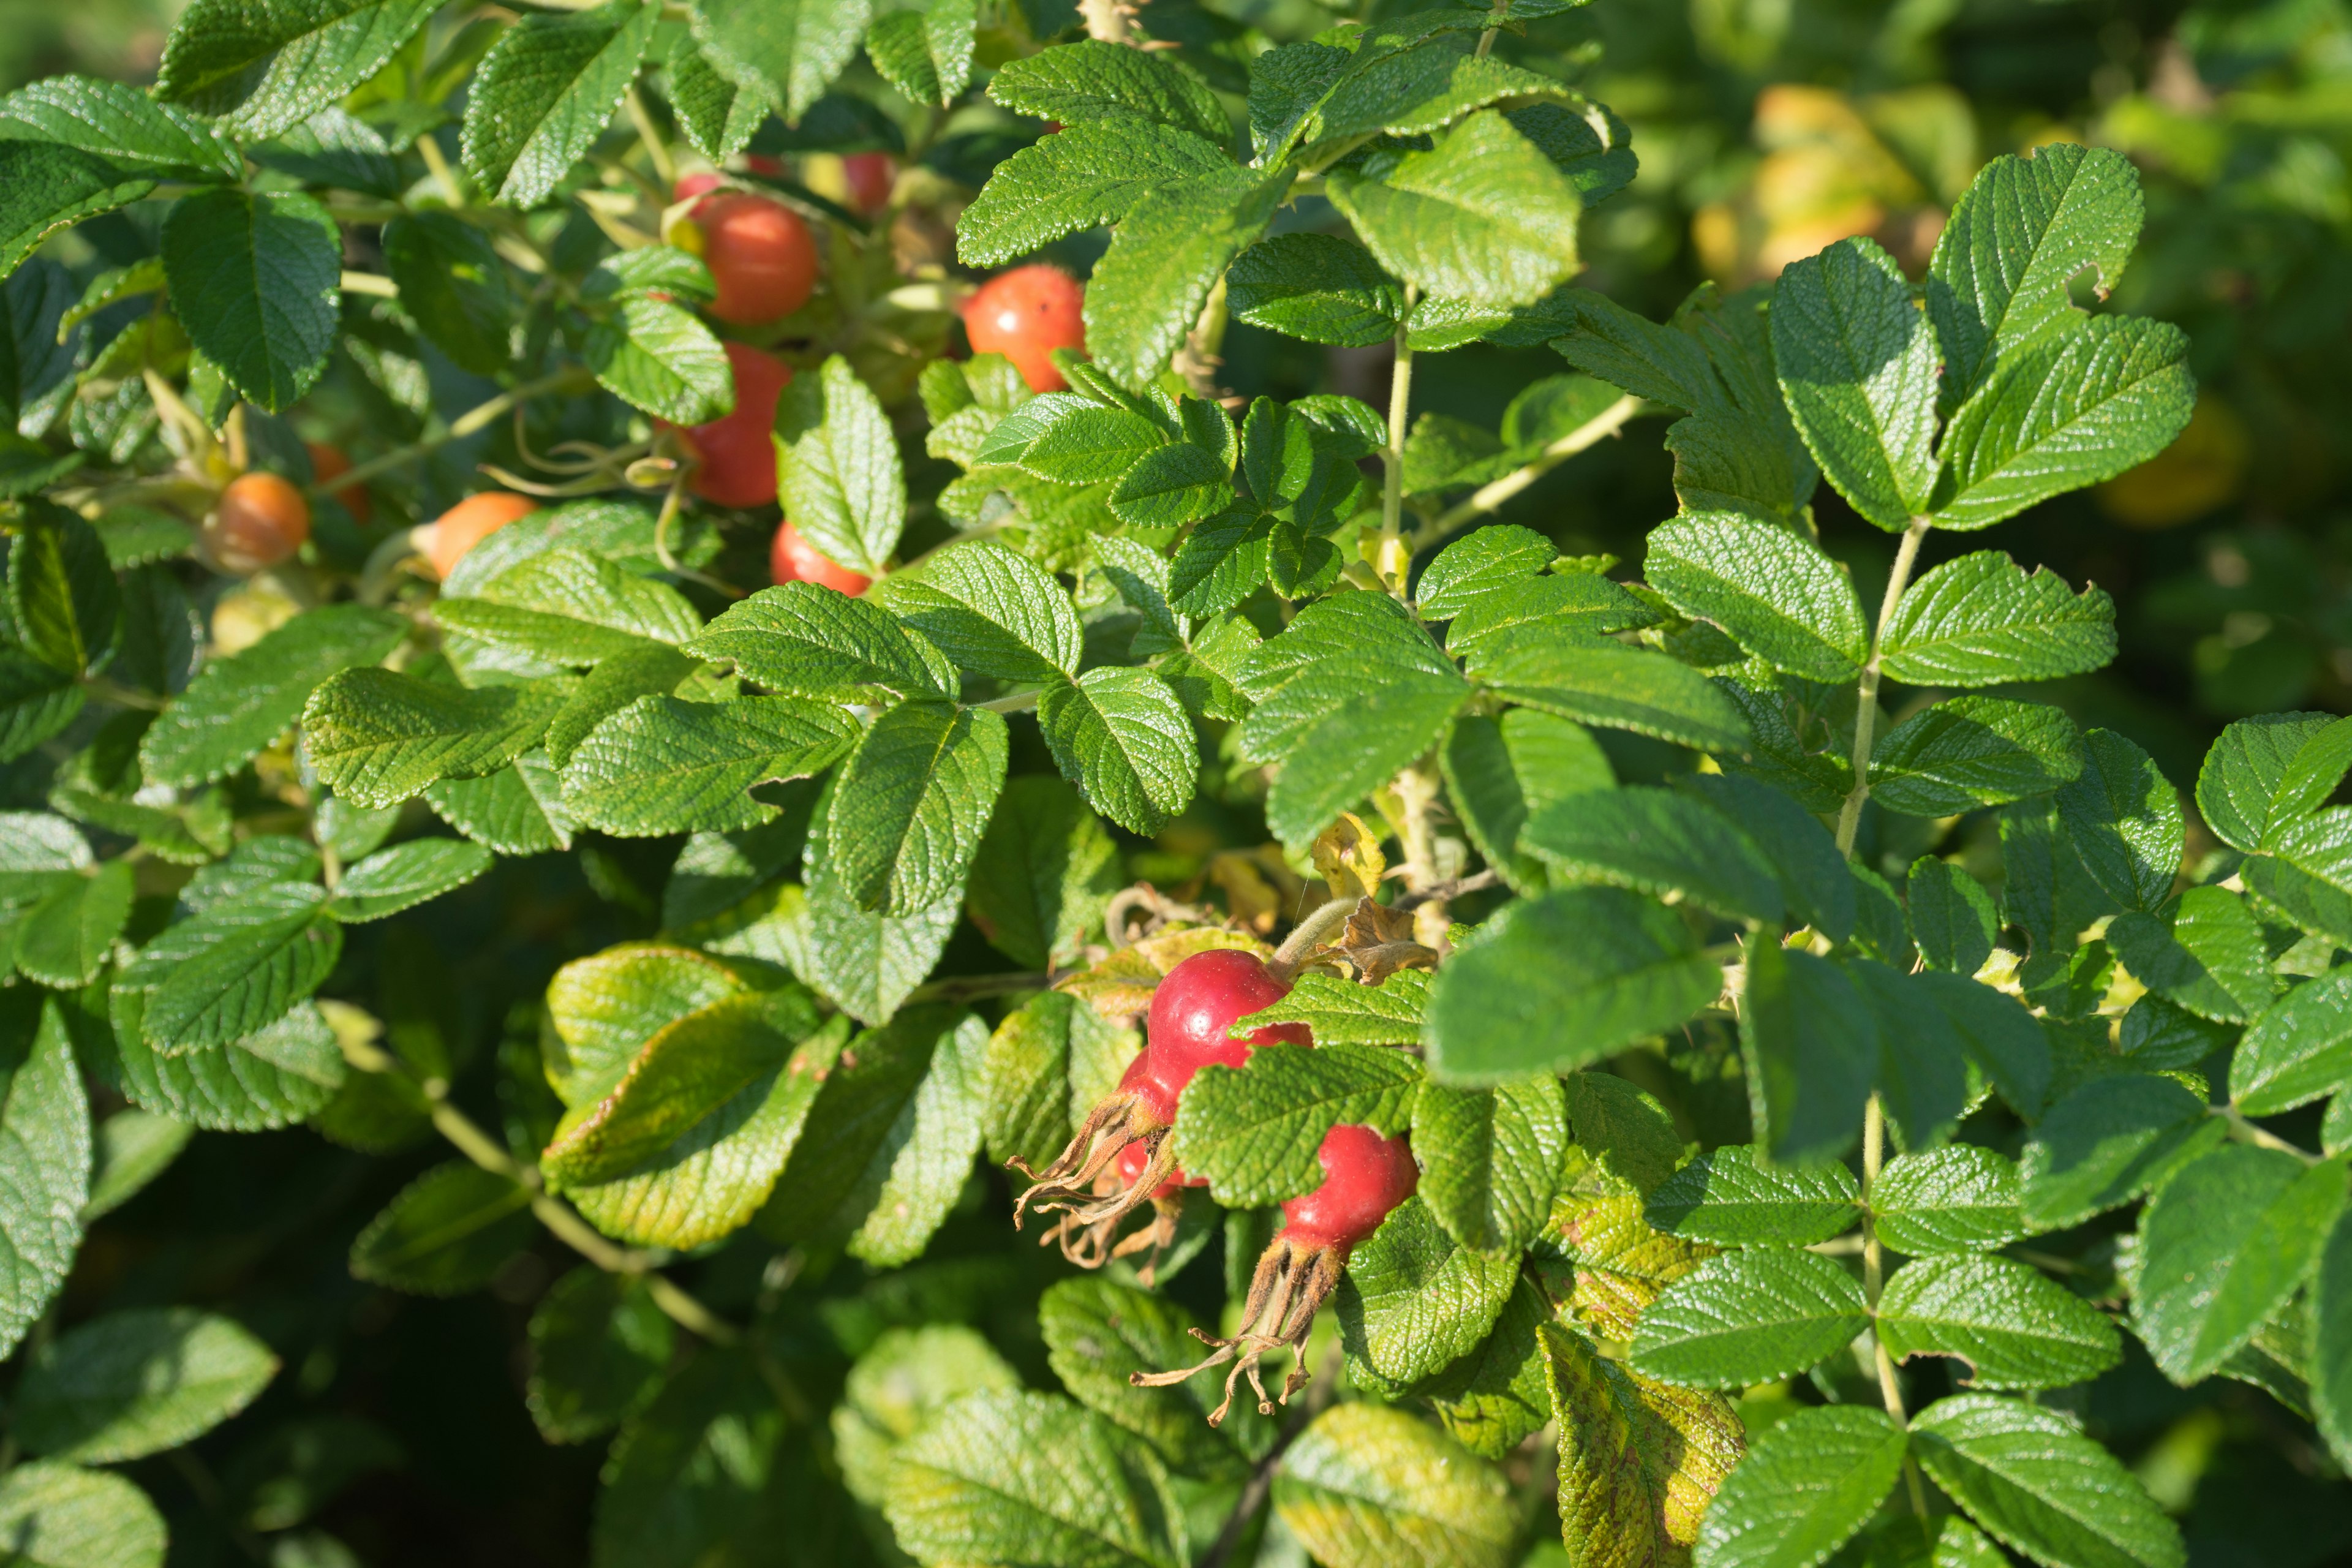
<point x="44" y="1157"/>
<point x="1094" y="80"/>
<point x="1748" y="1317"/>
<point x="1810" y="1482"/>
<point x="1660" y="842"/>
<point x="599" y="1348"/>
<point x="1099" y="1332"/>
<point x="2030" y="1478"/>
<point x="1413" y="1300"/>
<point x="238" y="966"/>
<point x="2223" y="1246"/>
<point x="239" y="705"/>
<point x="545" y="92"/>
<point x="1482" y="216"/>
<point x="1725" y="1195"/>
<point x="1341" y="1011"/>
<point x="1149" y="288"/>
<point x="1490" y="1158"/>
<point x="119" y="124"/>
<point x="1777" y="595"/>
<point x="2063" y="412"/>
<point x="377" y="737"/>
<point x="1369" y="1487"/>
<point x="905" y="1378"/>
<point x="254" y="279"/>
<point x="1500" y="772"/>
<point x="2109" y="1141"/>
<point x="1316" y="287"/>
<point x="2298" y="1050"/>
<point x="136" y="1383"/>
<point x="990" y="610"/>
<point x="1044" y="871"/>
<point x="657" y="355"/>
<point x="837" y="466"/>
<point x="1562" y="980"/>
<point x="785" y="53"/>
<point x="66" y="937"/>
<point x="1641" y="1462"/>
<point x="447" y="1233"/>
<point x="1811" y="1040"/>
<point x="2267" y="773"/>
<point x="866" y="963"/>
<point x="267" y="69"/>
<point x="519" y="810"/>
<point x="912" y="802"/>
<point x="278" y="1074"/>
<point x="1614" y="687"/>
<point x="1253" y="1132"/>
<point x="1342" y="732"/>
<point x="928" y="1154"/>
<point x="1122" y="735"/>
<point x="404" y="876"/>
<point x="799" y="638"/>
<point x="62" y="1516"/>
<point x="1083" y="176"/>
<point x="1858" y="363"/>
<point x="1983" y="620"/>
<point x="1960" y="1198"/>
<point x="1172" y="485"/>
<point x="1013" y="1476"/>
<point x="664" y="764"/>
<point x="2014" y="1326"/>
<point x="1973" y="752"/>
<point x="2209" y="958"/>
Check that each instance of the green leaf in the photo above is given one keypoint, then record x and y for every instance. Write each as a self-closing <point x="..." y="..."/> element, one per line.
<point x="1809" y="1483"/>
<point x="67" y="936"/>
<point x="2003" y="1040"/>
<point x="1983" y="620"/>
<point x="279" y="1073"/>
<point x="255" y="280"/>
<point x="1013" y="1476"/>
<point x="1345" y="1012"/>
<point x="719" y="117"/>
<point x="1660" y="842"/>
<point x="2212" y="960"/>
<point x="799" y="638"/>
<point x="2019" y="238"/>
<point x="992" y="611"/>
<point x="2298" y="1050"/>
<point x="1366" y="1486"/>
<point x="1777" y="595"/>
<point x="62" y="1516"/>
<point x="865" y="963"/>
<point x="2223" y="1246"/>
<point x="2030" y="1478"/>
<point x="664" y="764"/>
<point x="657" y="355"/>
<point x="1092" y="81"/>
<point x="1253" y="1132"/>
<point x="913" y="801"/>
<point x="2331" y="1340"/>
<point x="2109" y="1141"/>
<point x="1858" y="364"/>
<point x="61" y="589"/>
<point x="1500" y="772"/>
<point x="1345" y="730"/>
<point x="1490" y="1158"/>
<point x="2267" y="773"/>
<point x="1494" y="1399"/>
<point x="1811" y="1040"/>
<point x="599" y="1347"/>
<point x="1084" y="176"/>
<point x="1973" y="752"/>
<point x="1725" y="1195"/>
<point x="1413" y="1300"/>
<point x="1922" y="1080"/>
<point x="1640" y="1462"/>
<point x="377" y="737"/>
<point x="1099" y="1332"/>
<point x="1815" y="882"/>
<point x="44" y="1157"/>
<point x="453" y="284"/>
<point x="238" y="966"/>
<point x="120" y="124"/>
<point x="1561" y="980"/>
<point x="1952" y="917"/>
<point x="1625" y="1133"/>
<point x="700" y="1469"/>
<point x="519" y="810"/>
<point x="546" y="92"/>
<point x="236" y="706"/>
<point x="1090" y="444"/>
<point x="136" y="1383"/>
<point x="1025" y="1087"/>
<point x="447" y="1233"/>
<point x="36" y="699"/>
<point x="645" y="670"/>
<point x="264" y="68"/>
<point x="1613" y="687"/>
<point x="907" y="1376"/>
<point x="1122" y="735"/>
<point x="2063" y="412"/>
<point x="785" y="54"/>
<point x="2014" y="1326"/>
<point x="904" y="49"/>
<point x="1748" y="1317"/>
<point x="1170" y="486"/>
<point x="1316" y="287"/>
<point x="1044" y="871"/>
<point x="1149" y="288"/>
<point x="1960" y="1198"/>
<point x="134" y="1147"/>
<point x="839" y="469"/>
<point x="1482" y="216"/>
<point x="404" y="876"/>
<point x="603" y="1008"/>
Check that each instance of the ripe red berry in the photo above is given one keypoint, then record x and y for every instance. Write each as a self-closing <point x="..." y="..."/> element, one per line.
<point x="1199" y="1000"/>
<point x="735" y="455"/>
<point x="1024" y="315"/>
<point x="261" y="519"/>
<point x="700" y="182"/>
<point x="1365" y="1176"/>
<point x="446" y="540"/>
<point x="328" y="464"/>
<point x="870" y="177"/>
<point x="793" y="559"/>
<point x="760" y="255"/>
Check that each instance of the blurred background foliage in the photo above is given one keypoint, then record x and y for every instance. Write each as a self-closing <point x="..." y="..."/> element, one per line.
<point x="1765" y="130"/>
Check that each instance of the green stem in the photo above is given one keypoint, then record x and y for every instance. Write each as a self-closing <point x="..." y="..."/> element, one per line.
<point x="1865" y="715"/>
<point x="570" y="378"/>
<point x="2245" y="1131"/>
<point x="1390" y="560"/>
<point x="1874" y="1280"/>
<point x="1489" y="495"/>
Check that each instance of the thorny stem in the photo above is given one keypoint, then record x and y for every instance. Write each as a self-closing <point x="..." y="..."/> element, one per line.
<point x="1865" y="716"/>
<point x="1494" y="493"/>
<point x="1390" y="560"/>
<point x="1874" y="1279"/>
<point x="465" y="425"/>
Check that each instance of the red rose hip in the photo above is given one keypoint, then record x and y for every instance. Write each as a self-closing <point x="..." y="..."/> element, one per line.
<point x="793" y="559"/>
<point x="1025" y="314"/>
<point x="735" y="455"/>
<point x="762" y="258"/>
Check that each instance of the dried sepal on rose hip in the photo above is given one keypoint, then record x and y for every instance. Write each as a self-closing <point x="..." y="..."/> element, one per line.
<point x="1191" y="1010"/>
<point x="1365" y="1176"/>
<point x="1092" y="1245"/>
